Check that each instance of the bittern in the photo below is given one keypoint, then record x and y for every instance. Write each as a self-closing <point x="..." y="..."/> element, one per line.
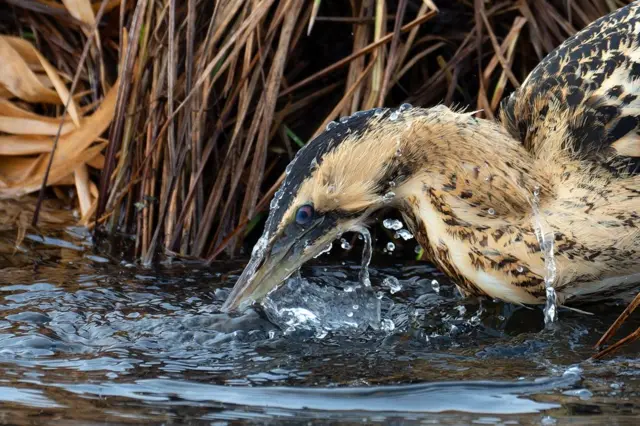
<point x="567" y="146"/>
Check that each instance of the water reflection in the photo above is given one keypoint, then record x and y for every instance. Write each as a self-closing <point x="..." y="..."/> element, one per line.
<point x="77" y="327"/>
<point x="475" y="397"/>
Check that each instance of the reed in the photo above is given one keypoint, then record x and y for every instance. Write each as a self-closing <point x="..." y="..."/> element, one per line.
<point x="174" y="120"/>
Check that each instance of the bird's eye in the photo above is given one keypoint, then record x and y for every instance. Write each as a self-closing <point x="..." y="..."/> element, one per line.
<point x="304" y="214"/>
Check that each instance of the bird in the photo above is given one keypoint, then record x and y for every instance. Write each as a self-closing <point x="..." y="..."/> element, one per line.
<point x="545" y="196"/>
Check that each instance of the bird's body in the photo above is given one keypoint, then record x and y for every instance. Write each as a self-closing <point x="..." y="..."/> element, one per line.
<point x="563" y="163"/>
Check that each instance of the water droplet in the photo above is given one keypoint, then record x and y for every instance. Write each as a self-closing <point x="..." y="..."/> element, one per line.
<point x="520" y="269"/>
<point x="321" y="333"/>
<point x="345" y="244"/>
<point x="398" y="152"/>
<point x="417" y="249"/>
<point x="391" y="246"/>
<point x="349" y="314"/>
<point x="272" y="334"/>
<point x="454" y="329"/>
<point x="273" y="204"/>
<point x="393" y="224"/>
<point x="573" y="371"/>
<point x="379" y="295"/>
<point x="388" y="196"/>
<point x="349" y="289"/>
<point x="355" y="307"/>
<point x="583" y="394"/>
<point x="491" y="211"/>
<point x="378" y="112"/>
<point x="344" y="119"/>
<point x="331" y="125"/>
<point x="392" y="184"/>
<point x="287" y="169"/>
<point x="404" y="107"/>
<point x="392" y="284"/>
<point x="387" y="325"/>
<point x="435" y="285"/>
<point x="394" y="116"/>
<point x="404" y="234"/>
<point x="548" y="421"/>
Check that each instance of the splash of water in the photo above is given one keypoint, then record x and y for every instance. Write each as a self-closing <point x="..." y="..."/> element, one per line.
<point x="404" y="234"/>
<point x="545" y="239"/>
<point x="366" y="257"/>
<point x="393" y="224"/>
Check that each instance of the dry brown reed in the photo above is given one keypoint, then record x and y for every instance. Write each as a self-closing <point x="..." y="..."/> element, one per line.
<point x="184" y="114"/>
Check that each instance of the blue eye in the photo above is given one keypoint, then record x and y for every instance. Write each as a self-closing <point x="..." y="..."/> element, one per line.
<point x="304" y="214"/>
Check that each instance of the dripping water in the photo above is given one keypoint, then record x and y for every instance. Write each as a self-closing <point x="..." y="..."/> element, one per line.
<point x="546" y="246"/>
<point x="366" y="257"/>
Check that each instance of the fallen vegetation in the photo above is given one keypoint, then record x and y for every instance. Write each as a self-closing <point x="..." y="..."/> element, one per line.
<point x="173" y="120"/>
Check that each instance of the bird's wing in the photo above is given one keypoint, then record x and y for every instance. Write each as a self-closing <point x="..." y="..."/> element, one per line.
<point x="585" y="95"/>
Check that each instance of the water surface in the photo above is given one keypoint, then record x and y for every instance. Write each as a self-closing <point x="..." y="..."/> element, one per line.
<point x="87" y="338"/>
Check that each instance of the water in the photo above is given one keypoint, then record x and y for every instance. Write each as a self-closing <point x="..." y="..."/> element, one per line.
<point x="404" y="234"/>
<point x="546" y="239"/>
<point x="86" y="339"/>
<point x="393" y="224"/>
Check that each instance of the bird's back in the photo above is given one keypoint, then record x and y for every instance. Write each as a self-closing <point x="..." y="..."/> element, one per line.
<point x="584" y="97"/>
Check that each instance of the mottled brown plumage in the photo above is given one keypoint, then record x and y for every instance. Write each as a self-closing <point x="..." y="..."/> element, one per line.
<point x="465" y="186"/>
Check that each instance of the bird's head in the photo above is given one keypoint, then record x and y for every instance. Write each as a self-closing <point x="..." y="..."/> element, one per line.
<point x="337" y="181"/>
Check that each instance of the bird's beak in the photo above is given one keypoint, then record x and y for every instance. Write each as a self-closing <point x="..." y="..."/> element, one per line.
<point x="272" y="262"/>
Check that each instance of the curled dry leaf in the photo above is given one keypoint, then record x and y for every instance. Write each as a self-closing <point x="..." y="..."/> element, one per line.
<point x="19" y="121"/>
<point x="75" y="149"/>
<point x="26" y="51"/>
<point x="17" y="77"/>
<point x="19" y="80"/>
<point x="27" y="138"/>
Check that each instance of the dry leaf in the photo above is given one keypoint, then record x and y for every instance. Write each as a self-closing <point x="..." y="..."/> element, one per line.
<point x="4" y="93"/>
<point x="16" y="120"/>
<point x="61" y="88"/>
<point x="97" y="162"/>
<point x="20" y="52"/>
<point x="24" y="145"/>
<point x="19" y="80"/>
<point x="13" y="170"/>
<point x="74" y="150"/>
<point x="26" y="51"/>
<point x="27" y="126"/>
<point x="81" y="10"/>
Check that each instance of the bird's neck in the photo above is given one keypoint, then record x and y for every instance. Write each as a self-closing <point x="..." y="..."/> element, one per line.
<point x="478" y="170"/>
<point x="470" y="209"/>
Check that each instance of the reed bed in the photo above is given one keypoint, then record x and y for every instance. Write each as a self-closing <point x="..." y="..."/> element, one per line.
<point x="174" y="120"/>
